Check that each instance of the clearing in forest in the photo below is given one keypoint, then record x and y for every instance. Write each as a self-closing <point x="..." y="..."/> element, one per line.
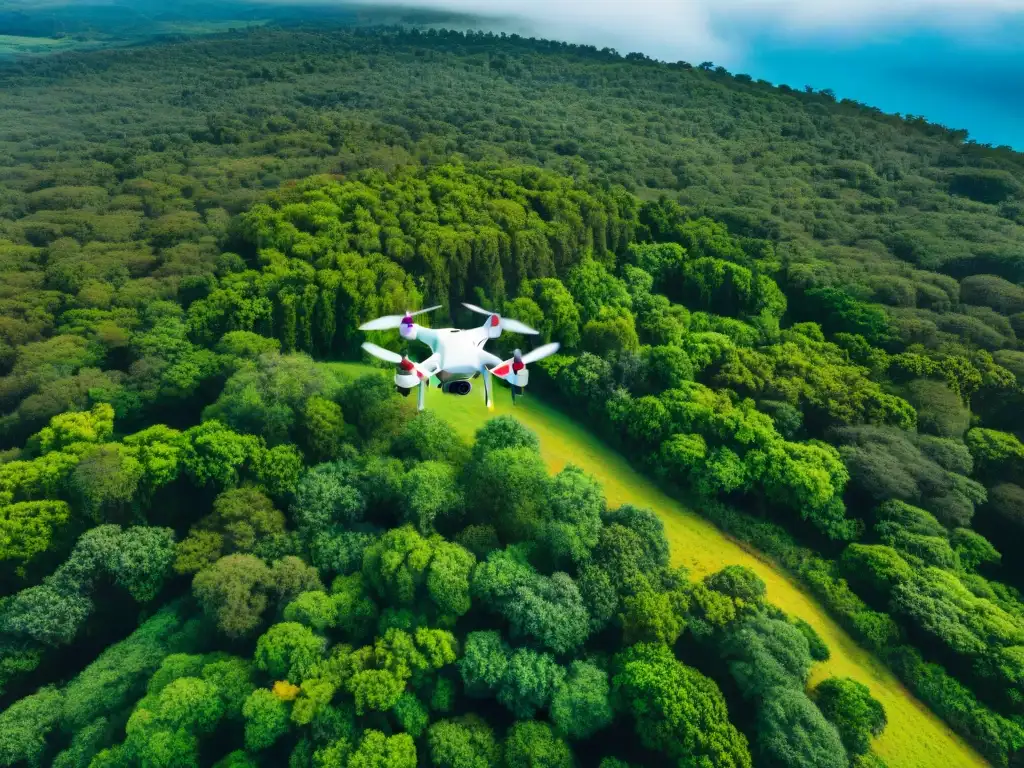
<point x="914" y="738"/>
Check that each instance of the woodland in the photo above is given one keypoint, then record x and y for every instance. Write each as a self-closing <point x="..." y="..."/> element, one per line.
<point x="799" y="313"/>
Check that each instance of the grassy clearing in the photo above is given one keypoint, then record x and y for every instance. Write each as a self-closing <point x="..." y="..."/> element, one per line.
<point x="914" y="738"/>
<point x="14" y="45"/>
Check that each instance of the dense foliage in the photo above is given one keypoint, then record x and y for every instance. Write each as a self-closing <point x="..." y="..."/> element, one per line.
<point x="216" y="551"/>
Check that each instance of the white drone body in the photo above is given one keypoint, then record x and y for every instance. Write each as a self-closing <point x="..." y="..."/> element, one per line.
<point x="457" y="355"/>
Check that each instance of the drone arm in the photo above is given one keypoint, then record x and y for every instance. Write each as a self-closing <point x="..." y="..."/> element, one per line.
<point x="431" y="365"/>
<point x="428" y="336"/>
<point x="487" y="360"/>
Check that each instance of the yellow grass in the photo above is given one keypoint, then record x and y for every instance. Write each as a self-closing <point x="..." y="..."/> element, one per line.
<point x="914" y="738"/>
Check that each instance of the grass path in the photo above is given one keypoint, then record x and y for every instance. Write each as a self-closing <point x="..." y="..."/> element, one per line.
<point x="914" y="738"/>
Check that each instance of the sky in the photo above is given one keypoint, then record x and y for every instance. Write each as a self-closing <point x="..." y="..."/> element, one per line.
<point x="955" y="62"/>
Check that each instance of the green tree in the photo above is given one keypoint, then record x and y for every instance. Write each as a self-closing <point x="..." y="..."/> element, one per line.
<point x="764" y="654"/>
<point x="484" y="662"/>
<point x="529" y="682"/>
<point x="266" y="719"/>
<point x="465" y="742"/>
<point x="792" y="732"/>
<point x="580" y="706"/>
<point x="24" y="727"/>
<point x="428" y="437"/>
<point x="327" y="495"/>
<point x="849" y="706"/>
<point x="323" y="428"/>
<point x="431" y="492"/>
<point x="106" y="482"/>
<point x="379" y="751"/>
<point x="289" y="651"/>
<point x="676" y="710"/>
<point x="532" y="744"/>
<point x="234" y="593"/>
<point x="575" y="504"/>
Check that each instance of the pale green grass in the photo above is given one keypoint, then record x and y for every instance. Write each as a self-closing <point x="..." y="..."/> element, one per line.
<point x="914" y="738"/>
<point x="11" y="45"/>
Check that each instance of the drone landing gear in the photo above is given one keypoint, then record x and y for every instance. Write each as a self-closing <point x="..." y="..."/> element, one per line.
<point x="423" y="394"/>
<point x="402" y="391"/>
<point x="488" y="398"/>
<point x="516" y="391"/>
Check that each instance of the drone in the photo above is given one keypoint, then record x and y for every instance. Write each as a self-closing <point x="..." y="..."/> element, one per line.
<point x="457" y="355"/>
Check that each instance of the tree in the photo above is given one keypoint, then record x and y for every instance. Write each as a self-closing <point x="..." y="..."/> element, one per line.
<point x="655" y="608"/>
<point x="428" y="437"/>
<point x="27" y="529"/>
<point x="465" y="742"/>
<point x="371" y="405"/>
<point x="45" y="614"/>
<point x="998" y="455"/>
<point x="575" y="504"/>
<point x="532" y="744"/>
<point x="503" y="432"/>
<point x="242" y="516"/>
<point x="24" y="727"/>
<point x="376" y="690"/>
<point x="676" y="710"/>
<point x="529" y="682"/>
<point x="233" y="679"/>
<point x="291" y="576"/>
<point x="581" y="706"/>
<point x="379" y="751"/>
<point x="322" y="428"/>
<point x="356" y="612"/>
<point x="940" y="411"/>
<point x="266" y="397"/>
<point x="648" y="530"/>
<point x="411" y="715"/>
<point x="612" y="331"/>
<point x="973" y="549"/>
<point x="289" y="651"/>
<point x="484" y="662"/>
<point x="792" y="733"/>
<point x="266" y="719"/>
<point x="327" y="495"/>
<point x="764" y="654"/>
<point x="190" y="703"/>
<point x="507" y="488"/>
<point x="849" y="706"/>
<point x="314" y="609"/>
<point x="431" y="492"/>
<point x="561" y="316"/>
<point x="233" y="592"/>
<point x="93" y="426"/>
<point x="739" y="583"/>
<point x="216" y="455"/>
<point x="141" y="560"/>
<point x="668" y="367"/>
<point x="106" y="482"/>
<point x="400" y="564"/>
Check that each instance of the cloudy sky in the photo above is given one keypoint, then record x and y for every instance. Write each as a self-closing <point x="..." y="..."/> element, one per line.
<point x="958" y="62"/>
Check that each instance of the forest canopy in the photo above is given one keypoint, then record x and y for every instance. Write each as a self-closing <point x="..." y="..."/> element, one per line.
<point x="217" y="550"/>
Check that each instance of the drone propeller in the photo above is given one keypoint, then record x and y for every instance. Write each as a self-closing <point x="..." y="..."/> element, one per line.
<point x="537" y="354"/>
<point x="384" y="354"/>
<point x="507" y="323"/>
<point x="393" y="321"/>
<point x="388" y="356"/>
<point x="520" y="361"/>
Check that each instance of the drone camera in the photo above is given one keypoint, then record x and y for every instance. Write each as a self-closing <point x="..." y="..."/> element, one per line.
<point x="460" y="387"/>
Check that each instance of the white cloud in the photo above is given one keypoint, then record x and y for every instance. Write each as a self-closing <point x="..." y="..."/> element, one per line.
<point x="718" y="29"/>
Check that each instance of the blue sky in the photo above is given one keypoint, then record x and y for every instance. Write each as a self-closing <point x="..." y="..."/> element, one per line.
<point x="962" y="84"/>
<point x="956" y="62"/>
